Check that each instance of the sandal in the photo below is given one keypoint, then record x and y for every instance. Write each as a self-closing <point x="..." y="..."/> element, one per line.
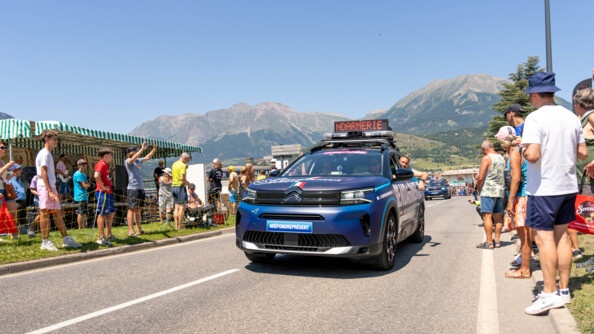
<point x="497" y="244"/>
<point x="517" y="274"/>
<point x="133" y="235"/>
<point x="485" y="245"/>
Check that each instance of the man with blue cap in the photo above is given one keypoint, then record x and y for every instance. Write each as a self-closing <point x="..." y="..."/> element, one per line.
<point x="552" y="142"/>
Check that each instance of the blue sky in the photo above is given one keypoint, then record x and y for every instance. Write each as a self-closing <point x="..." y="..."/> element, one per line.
<point x="111" y="65"/>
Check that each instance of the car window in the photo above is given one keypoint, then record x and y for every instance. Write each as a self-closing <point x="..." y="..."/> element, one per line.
<point x="437" y="183"/>
<point x="337" y="162"/>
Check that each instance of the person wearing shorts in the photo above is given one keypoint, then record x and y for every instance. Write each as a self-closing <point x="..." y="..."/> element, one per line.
<point x="490" y="183"/>
<point x="81" y="197"/>
<point x="104" y="196"/>
<point x="165" y="196"/>
<point x="136" y="196"/>
<point x="552" y="141"/>
<point x="179" y="183"/>
<point x="49" y="200"/>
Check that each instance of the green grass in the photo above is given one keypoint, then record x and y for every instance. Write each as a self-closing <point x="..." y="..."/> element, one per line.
<point x="26" y="249"/>
<point x="581" y="285"/>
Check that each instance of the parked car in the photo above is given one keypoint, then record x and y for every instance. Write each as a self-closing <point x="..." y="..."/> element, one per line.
<point x="345" y="197"/>
<point x="437" y="188"/>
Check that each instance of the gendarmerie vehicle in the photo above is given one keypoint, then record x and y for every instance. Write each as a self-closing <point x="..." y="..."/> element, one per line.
<point x="345" y="197"/>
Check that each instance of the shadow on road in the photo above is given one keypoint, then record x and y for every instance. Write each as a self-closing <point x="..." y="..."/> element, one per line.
<point x="327" y="267"/>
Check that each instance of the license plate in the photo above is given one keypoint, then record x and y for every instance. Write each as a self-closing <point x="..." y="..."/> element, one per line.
<point x="289" y="227"/>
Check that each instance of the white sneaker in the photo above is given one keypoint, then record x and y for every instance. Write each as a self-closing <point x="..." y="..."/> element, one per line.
<point x="543" y="304"/>
<point x="565" y="295"/>
<point x="104" y="242"/>
<point x="48" y="245"/>
<point x="69" y="242"/>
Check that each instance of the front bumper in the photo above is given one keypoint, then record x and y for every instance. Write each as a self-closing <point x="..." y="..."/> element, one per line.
<point x="343" y="231"/>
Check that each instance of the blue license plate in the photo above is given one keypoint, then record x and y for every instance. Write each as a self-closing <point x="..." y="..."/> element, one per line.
<point x="289" y="227"/>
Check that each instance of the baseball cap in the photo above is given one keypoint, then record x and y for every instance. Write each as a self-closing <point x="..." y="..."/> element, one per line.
<point x="515" y="108"/>
<point x="81" y="162"/>
<point x="505" y="132"/>
<point x="216" y="161"/>
<point x="14" y="167"/>
<point x="132" y="149"/>
<point x="542" y="82"/>
<point x="192" y="186"/>
<point x="167" y="171"/>
<point x="231" y="168"/>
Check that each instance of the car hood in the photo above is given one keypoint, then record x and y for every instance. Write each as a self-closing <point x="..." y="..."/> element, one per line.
<point x="318" y="183"/>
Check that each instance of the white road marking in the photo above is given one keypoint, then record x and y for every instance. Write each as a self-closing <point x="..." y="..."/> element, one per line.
<point x="487" y="320"/>
<point x="130" y="303"/>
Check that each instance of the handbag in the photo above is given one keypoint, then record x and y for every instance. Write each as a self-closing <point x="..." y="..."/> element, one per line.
<point x="6" y="220"/>
<point x="9" y="191"/>
<point x="584" y="212"/>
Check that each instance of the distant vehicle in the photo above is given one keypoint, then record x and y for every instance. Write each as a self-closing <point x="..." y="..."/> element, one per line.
<point x="437" y="188"/>
<point x="345" y="197"/>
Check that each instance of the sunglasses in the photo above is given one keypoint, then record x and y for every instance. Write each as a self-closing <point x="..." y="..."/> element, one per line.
<point x="3" y="147"/>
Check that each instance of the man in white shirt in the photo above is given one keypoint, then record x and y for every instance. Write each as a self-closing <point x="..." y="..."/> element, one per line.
<point x="553" y="141"/>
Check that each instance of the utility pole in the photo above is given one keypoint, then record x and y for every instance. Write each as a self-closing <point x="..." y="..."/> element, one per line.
<point x="548" y="36"/>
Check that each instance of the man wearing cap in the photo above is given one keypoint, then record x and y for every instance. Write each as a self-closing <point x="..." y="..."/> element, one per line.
<point x="16" y="206"/>
<point x="81" y="196"/>
<point x="135" y="190"/>
<point x="514" y="115"/>
<point x="179" y="183"/>
<point x="490" y="184"/>
<point x="553" y="141"/>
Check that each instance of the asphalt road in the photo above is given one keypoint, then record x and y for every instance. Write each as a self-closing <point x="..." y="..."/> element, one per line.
<point x="443" y="285"/>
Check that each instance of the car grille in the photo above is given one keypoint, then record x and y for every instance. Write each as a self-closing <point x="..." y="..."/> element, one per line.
<point x="296" y="196"/>
<point x="287" y="216"/>
<point x="295" y="241"/>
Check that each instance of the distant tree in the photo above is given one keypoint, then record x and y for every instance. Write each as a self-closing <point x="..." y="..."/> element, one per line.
<point x="513" y="93"/>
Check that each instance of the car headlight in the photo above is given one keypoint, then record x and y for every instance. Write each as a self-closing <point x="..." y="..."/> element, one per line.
<point x="250" y="196"/>
<point x="351" y="197"/>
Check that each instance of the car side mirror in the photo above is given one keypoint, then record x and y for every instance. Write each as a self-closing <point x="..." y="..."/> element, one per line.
<point x="403" y="174"/>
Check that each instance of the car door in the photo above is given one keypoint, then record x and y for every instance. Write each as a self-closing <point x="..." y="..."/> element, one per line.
<point x="404" y="192"/>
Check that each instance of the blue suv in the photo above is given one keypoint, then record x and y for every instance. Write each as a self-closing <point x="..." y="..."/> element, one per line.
<point x="345" y="197"/>
<point x="437" y="188"/>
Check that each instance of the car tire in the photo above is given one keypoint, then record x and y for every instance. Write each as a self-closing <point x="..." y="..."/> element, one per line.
<point x="260" y="257"/>
<point x="419" y="234"/>
<point x="385" y="260"/>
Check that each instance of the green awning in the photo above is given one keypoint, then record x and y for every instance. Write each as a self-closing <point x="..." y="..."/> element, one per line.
<point x="14" y="128"/>
<point x="79" y="140"/>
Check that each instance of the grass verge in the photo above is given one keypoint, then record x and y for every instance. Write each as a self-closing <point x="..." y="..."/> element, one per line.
<point x="582" y="288"/>
<point x="25" y="248"/>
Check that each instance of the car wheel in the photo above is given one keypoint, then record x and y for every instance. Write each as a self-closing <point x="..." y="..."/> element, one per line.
<point x="420" y="231"/>
<point x="385" y="261"/>
<point x="260" y="257"/>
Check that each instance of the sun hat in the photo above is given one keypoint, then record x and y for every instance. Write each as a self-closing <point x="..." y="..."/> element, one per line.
<point x="542" y="82"/>
<point x="167" y="171"/>
<point x="504" y="132"/>
<point x="15" y="167"/>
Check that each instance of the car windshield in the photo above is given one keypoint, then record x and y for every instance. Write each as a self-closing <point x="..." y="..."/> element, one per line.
<point x="337" y="162"/>
<point x="437" y="183"/>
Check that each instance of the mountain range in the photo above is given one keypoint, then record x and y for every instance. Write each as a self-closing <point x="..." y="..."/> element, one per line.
<point x="244" y="131"/>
